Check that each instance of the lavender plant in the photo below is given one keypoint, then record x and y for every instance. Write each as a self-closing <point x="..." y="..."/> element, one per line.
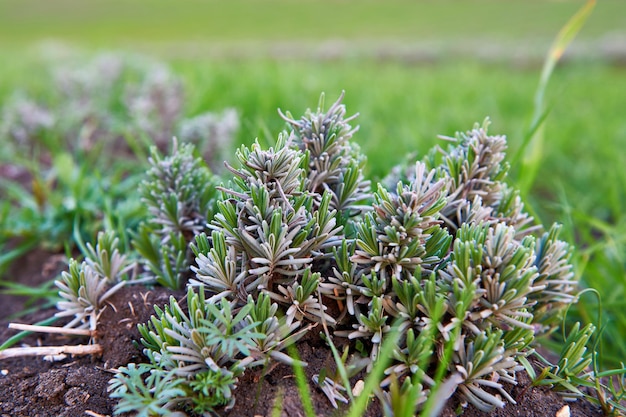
<point x="447" y="260"/>
<point x="457" y="233"/>
<point x="333" y="162"/>
<point x="86" y="286"/>
<point x="177" y="191"/>
<point x="86" y="96"/>
<point x="202" y="353"/>
<point x="273" y="229"/>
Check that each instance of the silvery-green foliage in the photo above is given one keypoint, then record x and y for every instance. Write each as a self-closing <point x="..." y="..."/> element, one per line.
<point x="402" y="399"/>
<point x="510" y="210"/>
<point x="91" y="80"/>
<point x="333" y="162"/>
<point x="483" y="363"/>
<point x="572" y="370"/>
<point x="106" y="258"/>
<point x="477" y="288"/>
<point x="344" y="284"/>
<point x="86" y="286"/>
<point x="448" y="257"/>
<point x="411" y="356"/>
<point x="371" y="326"/>
<point x="87" y="93"/>
<point x="302" y="300"/>
<point x="167" y="264"/>
<point x="474" y="168"/>
<point x="403" y="232"/>
<point x="205" y="349"/>
<point x="333" y="390"/>
<point x="23" y="121"/>
<point x="89" y="116"/>
<point x="267" y="232"/>
<point x="499" y="270"/>
<point x="146" y="390"/>
<point x="475" y="164"/>
<point x="208" y="341"/>
<point x="178" y="192"/>
<point x="279" y="333"/>
<point x="475" y="302"/>
<point x="556" y="277"/>
<point x="277" y="170"/>
<point x="221" y="269"/>
<point x="83" y="291"/>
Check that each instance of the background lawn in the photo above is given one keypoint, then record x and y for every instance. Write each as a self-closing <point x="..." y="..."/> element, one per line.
<point x="412" y="69"/>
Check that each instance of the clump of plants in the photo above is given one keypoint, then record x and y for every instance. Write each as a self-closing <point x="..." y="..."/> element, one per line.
<point x="447" y="259"/>
<point x="69" y="160"/>
<point x="438" y="286"/>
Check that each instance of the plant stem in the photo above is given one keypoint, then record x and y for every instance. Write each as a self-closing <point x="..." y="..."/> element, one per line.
<point x="51" y="329"/>
<point x="51" y="350"/>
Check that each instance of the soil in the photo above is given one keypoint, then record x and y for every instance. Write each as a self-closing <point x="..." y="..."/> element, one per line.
<point x="77" y="386"/>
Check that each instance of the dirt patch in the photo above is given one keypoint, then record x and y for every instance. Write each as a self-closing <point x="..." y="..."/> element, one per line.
<point x="34" y="387"/>
<point x="70" y="387"/>
<point x="262" y="390"/>
<point x="33" y="269"/>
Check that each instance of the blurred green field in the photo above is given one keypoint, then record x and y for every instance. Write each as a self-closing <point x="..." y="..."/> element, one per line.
<point x="403" y="106"/>
<point x="408" y="106"/>
<point x="120" y="23"/>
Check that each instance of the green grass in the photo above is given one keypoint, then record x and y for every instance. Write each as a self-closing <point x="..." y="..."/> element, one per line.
<point x="403" y="109"/>
<point x="408" y="106"/>
<point x="123" y="23"/>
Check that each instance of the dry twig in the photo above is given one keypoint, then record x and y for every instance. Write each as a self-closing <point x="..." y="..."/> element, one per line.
<point x="51" y="350"/>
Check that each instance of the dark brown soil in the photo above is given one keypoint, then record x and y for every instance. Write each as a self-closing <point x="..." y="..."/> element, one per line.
<point x="71" y="387"/>
<point x="34" y="387"/>
<point x="33" y="269"/>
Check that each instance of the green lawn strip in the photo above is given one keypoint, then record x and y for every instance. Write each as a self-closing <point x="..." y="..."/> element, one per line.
<point x="120" y="23"/>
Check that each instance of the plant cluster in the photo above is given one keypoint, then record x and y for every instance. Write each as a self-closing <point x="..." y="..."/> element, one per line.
<point x="178" y="192"/>
<point x="449" y="255"/>
<point x="448" y="261"/>
<point x="85" y="287"/>
<point x="274" y="223"/>
<point x="438" y="286"/>
<point x="53" y="174"/>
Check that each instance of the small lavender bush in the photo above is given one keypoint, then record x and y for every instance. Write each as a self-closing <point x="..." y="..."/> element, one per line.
<point x="445" y="257"/>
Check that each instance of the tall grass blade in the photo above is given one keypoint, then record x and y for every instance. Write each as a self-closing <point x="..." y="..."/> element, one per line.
<point x="532" y="146"/>
<point x="277" y="408"/>
<point x="301" y="382"/>
<point x="376" y="375"/>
